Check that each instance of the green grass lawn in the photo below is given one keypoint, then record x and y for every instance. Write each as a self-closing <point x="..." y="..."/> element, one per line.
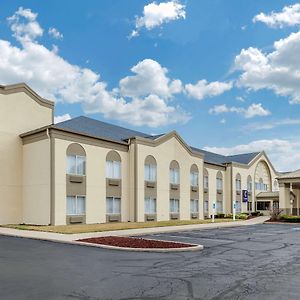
<point x="83" y="228"/>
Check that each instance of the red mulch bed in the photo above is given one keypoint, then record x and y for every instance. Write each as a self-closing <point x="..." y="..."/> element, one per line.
<point x="132" y="242"/>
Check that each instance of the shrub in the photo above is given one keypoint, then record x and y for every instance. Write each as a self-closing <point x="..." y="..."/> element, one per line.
<point x="275" y="214"/>
<point x="221" y="216"/>
<point x="290" y="219"/>
<point x="255" y="213"/>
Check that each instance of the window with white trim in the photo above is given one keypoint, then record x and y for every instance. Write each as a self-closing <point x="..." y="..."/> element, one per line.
<point x="206" y="206"/>
<point x="194" y="176"/>
<point x="174" y="205"/>
<point x="174" y="176"/>
<point x="150" y="205"/>
<point x="205" y="182"/>
<point x="150" y="173"/>
<point x="238" y="185"/>
<point x="75" y="205"/>
<point x="113" y="169"/>
<point x="76" y="165"/>
<point x="219" y="207"/>
<point x="194" y="205"/>
<point x="249" y="186"/>
<point x="219" y="184"/>
<point x="113" y="205"/>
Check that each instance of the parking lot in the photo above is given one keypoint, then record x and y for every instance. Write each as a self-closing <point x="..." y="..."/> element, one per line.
<point x="251" y="262"/>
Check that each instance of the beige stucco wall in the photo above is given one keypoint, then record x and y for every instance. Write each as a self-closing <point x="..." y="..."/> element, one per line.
<point x="212" y="186"/>
<point x="36" y="183"/>
<point x="95" y="183"/>
<point x="19" y="113"/>
<point x="164" y="153"/>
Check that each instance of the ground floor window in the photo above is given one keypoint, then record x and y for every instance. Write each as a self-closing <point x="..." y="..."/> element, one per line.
<point x="249" y="206"/>
<point x="263" y="205"/>
<point x="194" y="206"/>
<point x="150" y="205"/>
<point x="219" y="207"/>
<point x="275" y="204"/>
<point x="174" y="205"/>
<point x="75" y="205"/>
<point x="238" y="206"/>
<point x="206" y="206"/>
<point x="113" y="205"/>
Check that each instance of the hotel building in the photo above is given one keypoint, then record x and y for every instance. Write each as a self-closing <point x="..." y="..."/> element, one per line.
<point x="86" y="171"/>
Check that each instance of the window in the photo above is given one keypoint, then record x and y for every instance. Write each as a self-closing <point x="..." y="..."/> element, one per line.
<point x="194" y="206"/>
<point x="174" y="176"/>
<point x="263" y="205"/>
<point x="261" y="186"/>
<point x="238" y="207"/>
<point x="194" y="178"/>
<point x="265" y="187"/>
<point x="219" y="207"/>
<point x="76" y="165"/>
<point x="206" y="206"/>
<point x="206" y="182"/>
<point x="75" y="205"/>
<point x="249" y="206"/>
<point x="150" y="205"/>
<point x="150" y="173"/>
<point x="113" y="205"/>
<point x="219" y="184"/>
<point x="238" y="185"/>
<point x="113" y="169"/>
<point x="249" y="186"/>
<point x="174" y="206"/>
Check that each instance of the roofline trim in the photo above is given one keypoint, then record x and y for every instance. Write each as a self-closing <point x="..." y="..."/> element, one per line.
<point x="23" y="87"/>
<point x="165" y="138"/>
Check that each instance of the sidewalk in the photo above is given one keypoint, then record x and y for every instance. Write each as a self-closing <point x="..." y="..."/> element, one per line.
<point x="69" y="238"/>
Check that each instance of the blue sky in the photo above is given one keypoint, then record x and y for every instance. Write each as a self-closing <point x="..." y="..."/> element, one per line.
<point x="224" y="74"/>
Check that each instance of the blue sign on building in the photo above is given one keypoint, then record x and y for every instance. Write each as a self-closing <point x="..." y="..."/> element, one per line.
<point x="245" y="196"/>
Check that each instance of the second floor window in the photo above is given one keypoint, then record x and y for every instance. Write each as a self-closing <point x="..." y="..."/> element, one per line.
<point x="113" y="169"/>
<point x="150" y="173"/>
<point x="249" y="186"/>
<point x="219" y="184"/>
<point x="174" y="176"/>
<point x="194" y="178"/>
<point x="238" y="184"/>
<point x="206" y="182"/>
<point x="76" y="165"/>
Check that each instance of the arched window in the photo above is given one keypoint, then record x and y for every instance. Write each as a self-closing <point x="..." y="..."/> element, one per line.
<point x="194" y="175"/>
<point x="262" y="177"/>
<point x="113" y="165"/>
<point x="205" y="179"/>
<point x="238" y="182"/>
<point x="150" y="169"/>
<point x="219" y="181"/>
<point x="76" y="160"/>
<point x="275" y="185"/>
<point x="249" y="184"/>
<point x="174" y="172"/>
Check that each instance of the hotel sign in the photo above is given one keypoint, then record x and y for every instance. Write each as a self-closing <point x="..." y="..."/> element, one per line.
<point x="245" y="196"/>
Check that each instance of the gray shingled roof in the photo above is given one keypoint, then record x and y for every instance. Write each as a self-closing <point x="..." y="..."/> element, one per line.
<point x="88" y="126"/>
<point x="99" y="129"/>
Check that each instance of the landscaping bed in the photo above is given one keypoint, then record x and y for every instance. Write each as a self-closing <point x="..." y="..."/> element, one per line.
<point x="132" y="242"/>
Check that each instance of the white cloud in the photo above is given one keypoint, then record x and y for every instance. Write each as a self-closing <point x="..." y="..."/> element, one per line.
<point x="277" y="71"/>
<point x="203" y="89"/>
<point x="284" y="154"/>
<point x="289" y="16"/>
<point x="254" y="110"/>
<point x="55" y="78"/>
<point x="150" y="78"/>
<point x="272" y="124"/>
<point x="155" y="15"/>
<point x="62" y="118"/>
<point x="55" y="33"/>
<point x="24" y="26"/>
